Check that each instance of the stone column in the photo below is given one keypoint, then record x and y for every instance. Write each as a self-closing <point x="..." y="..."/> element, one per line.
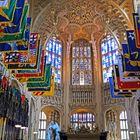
<point x="66" y="83"/>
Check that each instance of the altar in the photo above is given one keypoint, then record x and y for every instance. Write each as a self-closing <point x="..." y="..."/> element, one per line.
<point x="83" y="136"/>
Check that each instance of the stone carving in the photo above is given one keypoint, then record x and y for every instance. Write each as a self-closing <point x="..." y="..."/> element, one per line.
<point x="107" y="100"/>
<point x="80" y="14"/>
<point x="83" y="130"/>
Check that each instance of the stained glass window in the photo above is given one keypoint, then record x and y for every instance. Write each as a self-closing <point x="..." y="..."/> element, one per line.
<point x="136" y="4"/>
<point x="109" y="50"/>
<point x="4" y="3"/>
<point x="124" y="126"/>
<point x="81" y="63"/>
<point x="54" y="56"/>
<point x="42" y="126"/>
<point x="81" y="119"/>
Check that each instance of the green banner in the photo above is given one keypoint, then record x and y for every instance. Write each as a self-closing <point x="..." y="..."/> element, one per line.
<point x="43" y="79"/>
<point x="43" y="82"/>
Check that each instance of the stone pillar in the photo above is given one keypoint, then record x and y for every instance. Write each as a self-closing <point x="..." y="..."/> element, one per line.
<point x="98" y="91"/>
<point x="66" y="83"/>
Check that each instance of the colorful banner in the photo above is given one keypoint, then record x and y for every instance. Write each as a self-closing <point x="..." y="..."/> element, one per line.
<point x="17" y="18"/>
<point x="39" y="62"/>
<point x="33" y="73"/>
<point x="41" y="84"/>
<point x="44" y="77"/>
<point x="7" y="13"/>
<point x="133" y="51"/>
<point x="19" y="45"/>
<point x="136" y="18"/>
<point x="121" y="71"/>
<point x="13" y="46"/>
<point x="16" y="36"/>
<point x="32" y="56"/>
<point x="46" y="93"/>
<point x="125" y="85"/>
<point x="117" y="93"/>
<point x="131" y="67"/>
<point x="24" y="57"/>
<point x="113" y="94"/>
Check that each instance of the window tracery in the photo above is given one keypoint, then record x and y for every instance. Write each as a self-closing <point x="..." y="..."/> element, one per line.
<point x="83" y="119"/>
<point x="42" y="126"/>
<point x="109" y="51"/>
<point x="54" y="56"/>
<point x="124" y="126"/>
<point x="81" y="63"/>
<point x="136" y="4"/>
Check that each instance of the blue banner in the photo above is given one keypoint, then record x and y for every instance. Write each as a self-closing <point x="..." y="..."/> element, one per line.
<point x="111" y="84"/>
<point x="18" y="13"/>
<point x="129" y="65"/>
<point x="136" y="18"/>
<point x="133" y="51"/>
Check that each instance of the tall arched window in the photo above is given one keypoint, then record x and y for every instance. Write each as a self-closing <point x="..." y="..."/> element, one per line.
<point x="124" y="126"/>
<point x="42" y="126"/>
<point x="81" y="63"/>
<point x="136" y="4"/>
<point x="109" y="51"/>
<point x="54" y="56"/>
<point x="81" y="119"/>
<point x="4" y="3"/>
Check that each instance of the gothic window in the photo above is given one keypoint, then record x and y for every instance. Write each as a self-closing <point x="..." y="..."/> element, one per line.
<point x="109" y="51"/>
<point x="54" y="116"/>
<point x="136" y="4"/>
<point x="54" y="56"/>
<point x="42" y="126"/>
<point x="81" y="119"/>
<point x="124" y="126"/>
<point x="4" y="3"/>
<point x="81" y="63"/>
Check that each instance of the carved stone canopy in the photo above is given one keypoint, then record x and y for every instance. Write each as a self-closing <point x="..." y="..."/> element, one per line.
<point x="82" y="18"/>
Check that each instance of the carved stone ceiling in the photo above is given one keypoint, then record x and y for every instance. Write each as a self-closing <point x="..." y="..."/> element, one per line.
<point x="82" y="18"/>
<point x="81" y="13"/>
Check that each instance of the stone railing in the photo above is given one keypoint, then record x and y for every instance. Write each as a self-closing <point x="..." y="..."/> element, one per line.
<point x="82" y="95"/>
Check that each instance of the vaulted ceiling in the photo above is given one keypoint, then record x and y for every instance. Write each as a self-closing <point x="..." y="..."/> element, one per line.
<point x="89" y="19"/>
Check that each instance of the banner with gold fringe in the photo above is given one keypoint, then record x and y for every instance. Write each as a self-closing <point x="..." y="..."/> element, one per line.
<point x="33" y="73"/>
<point x="7" y="8"/>
<point x="12" y="35"/>
<point x="46" y="93"/>
<point x="41" y="84"/>
<point x="131" y="67"/>
<point x="31" y="57"/>
<point x="136" y="18"/>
